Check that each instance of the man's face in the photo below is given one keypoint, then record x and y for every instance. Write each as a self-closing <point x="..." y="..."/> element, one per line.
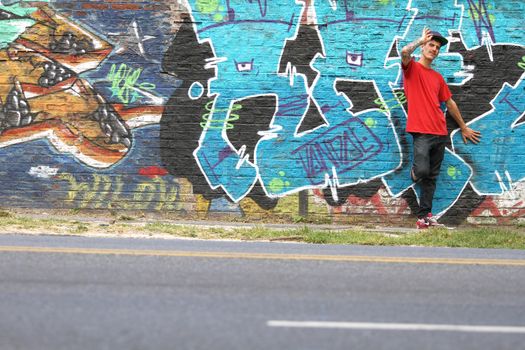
<point x="431" y="50"/>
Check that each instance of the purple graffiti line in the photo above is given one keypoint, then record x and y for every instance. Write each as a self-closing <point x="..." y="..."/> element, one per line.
<point x="223" y="154"/>
<point x="326" y="108"/>
<point x="481" y="18"/>
<point x="504" y="99"/>
<point x="293" y="103"/>
<point x="350" y="17"/>
<point x="338" y="147"/>
<point x="231" y="22"/>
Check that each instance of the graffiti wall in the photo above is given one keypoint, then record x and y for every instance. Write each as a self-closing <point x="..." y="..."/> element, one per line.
<point x="250" y="107"/>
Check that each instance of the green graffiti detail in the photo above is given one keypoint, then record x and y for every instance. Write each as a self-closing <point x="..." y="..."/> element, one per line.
<point x="453" y="172"/>
<point x="219" y="123"/>
<point x="207" y="6"/>
<point x="278" y="185"/>
<point x="521" y="64"/>
<point x="211" y="8"/>
<point x="124" y="83"/>
<point x="398" y="101"/>
<point x="370" y="122"/>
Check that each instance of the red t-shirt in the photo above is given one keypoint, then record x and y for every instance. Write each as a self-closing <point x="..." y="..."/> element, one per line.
<point x="425" y="89"/>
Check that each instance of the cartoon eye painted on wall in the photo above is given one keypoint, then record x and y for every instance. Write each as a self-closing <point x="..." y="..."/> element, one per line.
<point x="354" y="59"/>
<point x="244" y="66"/>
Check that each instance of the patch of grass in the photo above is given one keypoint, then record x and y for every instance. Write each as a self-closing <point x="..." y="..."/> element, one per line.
<point x="79" y="228"/>
<point x="296" y="219"/>
<point x="26" y="223"/>
<point x="483" y="237"/>
<point x="467" y="238"/>
<point x="520" y="224"/>
<point x="176" y="230"/>
<point x="488" y="237"/>
<point x="75" y="211"/>
<point x="314" y="219"/>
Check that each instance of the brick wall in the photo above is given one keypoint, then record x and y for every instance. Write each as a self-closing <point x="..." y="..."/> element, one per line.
<point x="254" y="109"/>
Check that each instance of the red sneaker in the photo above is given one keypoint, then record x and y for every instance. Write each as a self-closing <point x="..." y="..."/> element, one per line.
<point x="422" y="223"/>
<point x="432" y="221"/>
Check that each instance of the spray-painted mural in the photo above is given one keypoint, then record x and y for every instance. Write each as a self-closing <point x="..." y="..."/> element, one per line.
<point x="237" y="106"/>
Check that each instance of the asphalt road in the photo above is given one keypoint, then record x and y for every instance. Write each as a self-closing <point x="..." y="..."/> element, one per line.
<point x="114" y="293"/>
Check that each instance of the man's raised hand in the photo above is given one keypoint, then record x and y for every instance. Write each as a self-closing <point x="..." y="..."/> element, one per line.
<point x="426" y="36"/>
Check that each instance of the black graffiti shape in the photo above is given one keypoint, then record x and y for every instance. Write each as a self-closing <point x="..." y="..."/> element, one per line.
<point x="53" y="74"/>
<point x="301" y="51"/>
<point x="361" y="93"/>
<point x="68" y="43"/>
<point x="186" y="58"/>
<point x="312" y="119"/>
<point x="15" y="112"/>
<point x="180" y="123"/>
<point x="255" y="115"/>
<point x="467" y="202"/>
<point x="473" y="97"/>
<point x="364" y="190"/>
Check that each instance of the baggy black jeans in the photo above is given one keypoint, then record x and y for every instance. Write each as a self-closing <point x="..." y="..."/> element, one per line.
<point x="429" y="151"/>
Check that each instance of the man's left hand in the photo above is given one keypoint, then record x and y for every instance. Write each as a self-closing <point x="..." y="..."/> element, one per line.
<point x="469" y="134"/>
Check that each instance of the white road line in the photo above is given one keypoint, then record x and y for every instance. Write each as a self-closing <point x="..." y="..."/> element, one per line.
<point x="397" y="326"/>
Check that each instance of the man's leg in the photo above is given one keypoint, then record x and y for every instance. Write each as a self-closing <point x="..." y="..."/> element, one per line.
<point x="421" y="164"/>
<point x="428" y="183"/>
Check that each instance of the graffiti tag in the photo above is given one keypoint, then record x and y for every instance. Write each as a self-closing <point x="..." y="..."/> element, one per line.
<point x="108" y="192"/>
<point x="399" y="100"/>
<point x="124" y="83"/>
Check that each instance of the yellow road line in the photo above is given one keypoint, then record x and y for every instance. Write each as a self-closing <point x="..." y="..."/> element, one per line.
<point x="263" y="256"/>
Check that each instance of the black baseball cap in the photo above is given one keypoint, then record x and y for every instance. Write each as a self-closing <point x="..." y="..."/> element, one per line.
<point x="439" y="38"/>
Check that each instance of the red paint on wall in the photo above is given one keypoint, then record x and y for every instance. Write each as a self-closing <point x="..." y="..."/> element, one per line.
<point x="152" y="171"/>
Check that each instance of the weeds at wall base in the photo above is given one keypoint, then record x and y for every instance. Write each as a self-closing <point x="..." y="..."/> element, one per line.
<point x="142" y="224"/>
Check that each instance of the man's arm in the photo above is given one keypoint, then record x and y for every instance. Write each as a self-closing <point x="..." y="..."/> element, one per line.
<point x="406" y="52"/>
<point x="466" y="132"/>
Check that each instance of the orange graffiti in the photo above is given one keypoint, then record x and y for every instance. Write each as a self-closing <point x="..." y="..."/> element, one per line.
<point x="42" y="96"/>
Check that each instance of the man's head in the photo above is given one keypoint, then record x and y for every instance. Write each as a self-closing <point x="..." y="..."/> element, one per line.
<point x="439" y="38"/>
<point x="430" y="50"/>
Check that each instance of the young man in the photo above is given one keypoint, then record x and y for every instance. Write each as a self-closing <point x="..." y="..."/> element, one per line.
<point x="425" y="90"/>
